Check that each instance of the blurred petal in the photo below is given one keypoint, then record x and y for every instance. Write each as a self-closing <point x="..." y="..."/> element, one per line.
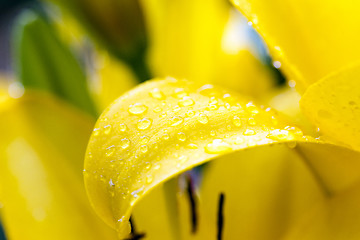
<point x="310" y="38"/>
<point x="204" y="41"/>
<point x="333" y="104"/>
<point x="334" y="218"/>
<point x="41" y="148"/>
<point x="163" y="128"/>
<point x="112" y="78"/>
<point x="267" y="189"/>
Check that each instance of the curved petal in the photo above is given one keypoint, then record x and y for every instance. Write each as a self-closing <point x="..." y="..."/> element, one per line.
<point x="41" y="151"/>
<point x="333" y="104"/>
<point x="268" y="189"/>
<point x="334" y="218"/>
<point x="310" y="38"/>
<point x="205" y="41"/>
<point x="163" y="128"/>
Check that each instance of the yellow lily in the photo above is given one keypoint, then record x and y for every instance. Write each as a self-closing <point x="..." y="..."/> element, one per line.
<point x="284" y="186"/>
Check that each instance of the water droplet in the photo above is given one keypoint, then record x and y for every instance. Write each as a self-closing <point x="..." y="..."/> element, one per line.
<point x="249" y="132"/>
<point x="111" y="183"/>
<point x="149" y="179"/>
<point x="144" y="148"/>
<point x="125" y="143"/>
<point x="163" y="114"/>
<point x="137" y="108"/>
<point x="175" y="121"/>
<point x="182" y="158"/>
<point x="280" y="135"/>
<point x="144" y="140"/>
<point x="157" y="109"/>
<point x="181" y="136"/>
<point x="157" y="166"/>
<point x="190" y="113"/>
<point x="236" y="121"/>
<point x="250" y="107"/>
<point x="212" y="133"/>
<point x="157" y="94"/>
<point x="166" y="137"/>
<point x="202" y="118"/>
<point x="110" y="150"/>
<point x="176" y="108"/>
<point x="192" y="146"/>
<point x="144" y="123"/>
<point x="276" y="64"/>
<point x="251" y="121"/>
<point x="217" y="146"/>
<point x="107" y="129"/>
<point x="122" y="127"/>
<point x="148" y="166"/>
<point x="186" y="101"/>
<point x="207" y="90"/>
<point x="239" y="140"/>
<point x="180" y="93"/>
<point x="96" y="131"/>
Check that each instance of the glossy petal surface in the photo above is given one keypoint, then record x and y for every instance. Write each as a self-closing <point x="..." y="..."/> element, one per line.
<point x="165" y="127"/>
<point x="333" y="104"/>
<point x="41" y="147"/>
<point x="310" y="38"/>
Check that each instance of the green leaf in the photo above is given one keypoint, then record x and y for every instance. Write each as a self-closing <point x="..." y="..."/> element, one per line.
<point x="43" y="62"/>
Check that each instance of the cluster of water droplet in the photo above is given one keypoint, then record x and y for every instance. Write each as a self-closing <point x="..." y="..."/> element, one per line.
<point x="160" y="128"/>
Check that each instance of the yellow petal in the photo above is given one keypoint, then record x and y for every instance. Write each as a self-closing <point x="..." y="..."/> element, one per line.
<point x="334" y="218"/>
<point x="310" y="38"/>
<point x="163" y="128"/>
<point x="333" y="104"/>
<point x="112" y="78"/>
<point x="204" y="41"/>
<point x="265" y="192"/>
<point x="41" y="150"/>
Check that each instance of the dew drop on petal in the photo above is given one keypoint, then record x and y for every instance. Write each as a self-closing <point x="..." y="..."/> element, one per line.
<point x="251" y="121"/>
<point x="190" y="113"/>
<point x="186" y="101"/>
<point x="249" y="132"/>
<point x="144" y="148"/>
<point x="157" y="94"/>
<point x="124" y="143"/>
<point x="236" y="121"/>
<point x="137" y="108"/>
<point x="202" y="118"/>
<point x="280" y="135"/>
<point x="144" y="123"/>
<point x="144" y="140"/>
<point x="149" y="179"/>
<point x="96" y="131"/>
<point x="122" y="127"/>
<point x="175" y="121"/>
<point x="107" y="129"/>
<point x="217" y="146"/>
<point x="181" y="136"/>
<point x="110" y="150"/>
<point x="157" y="109"/>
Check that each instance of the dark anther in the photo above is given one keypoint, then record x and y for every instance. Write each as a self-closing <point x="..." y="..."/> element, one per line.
<point x="192" y="199"/>
<point x="134" y="235"/>
<point x="220" y="218"/>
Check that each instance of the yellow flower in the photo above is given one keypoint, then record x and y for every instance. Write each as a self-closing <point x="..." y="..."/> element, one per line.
<point x="263" y="179"/>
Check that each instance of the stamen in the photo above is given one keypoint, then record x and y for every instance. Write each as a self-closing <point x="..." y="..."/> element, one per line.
<point x="220" y="219"/>
<point x="134" y="235"/>
<point x="193" y="204"/>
